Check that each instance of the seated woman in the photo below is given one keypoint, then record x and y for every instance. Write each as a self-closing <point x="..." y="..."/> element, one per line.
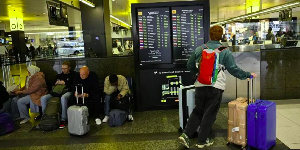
<point x="34" y="89"/>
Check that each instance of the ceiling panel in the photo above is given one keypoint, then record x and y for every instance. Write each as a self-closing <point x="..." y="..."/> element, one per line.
<point x="226" y="8"/>
<point x="35" y="15"/>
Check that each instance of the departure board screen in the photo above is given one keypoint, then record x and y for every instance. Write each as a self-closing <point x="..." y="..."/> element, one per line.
<point x="188" y="32"/>
<point x="154" y="35"/>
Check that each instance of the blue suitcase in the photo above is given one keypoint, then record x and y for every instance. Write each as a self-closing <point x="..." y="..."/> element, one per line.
<point x="261" y="124"/>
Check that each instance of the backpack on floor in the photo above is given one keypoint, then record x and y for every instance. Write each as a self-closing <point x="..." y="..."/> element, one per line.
<point x="51" y="118"/>
<point x="209" y="65"/>
<point x="117" y="117"/>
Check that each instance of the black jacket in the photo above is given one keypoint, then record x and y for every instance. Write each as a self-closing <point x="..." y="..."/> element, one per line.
<point x="67" y="78"/>
<point x="4" y="95"/>
<point x="90" y="84"/>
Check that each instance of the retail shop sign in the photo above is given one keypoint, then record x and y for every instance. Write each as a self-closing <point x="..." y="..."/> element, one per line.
<point x="16" y="24"/>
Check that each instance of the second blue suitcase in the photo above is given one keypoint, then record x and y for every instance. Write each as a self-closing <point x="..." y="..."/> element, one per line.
<point x="261" y="124"/>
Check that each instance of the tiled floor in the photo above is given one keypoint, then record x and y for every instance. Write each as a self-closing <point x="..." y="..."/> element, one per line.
<point x="288" y="122"/>
<point x="150" y="130"/>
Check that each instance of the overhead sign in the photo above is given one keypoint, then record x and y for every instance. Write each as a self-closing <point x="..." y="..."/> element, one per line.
<point x="16" y="24"/>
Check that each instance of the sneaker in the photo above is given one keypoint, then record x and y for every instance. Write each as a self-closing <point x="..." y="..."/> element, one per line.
<point x="98" y="121"/>
<point x="62" y="124"/>
<point x="130" y="118"/>
<point x="209" y="142"/>
<point x="105" y="119"/>
<point x="184" y="140"/>
<point x="24" y="120"/>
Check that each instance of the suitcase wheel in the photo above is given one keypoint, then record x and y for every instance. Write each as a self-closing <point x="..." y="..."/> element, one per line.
<point x="228" y="143"/>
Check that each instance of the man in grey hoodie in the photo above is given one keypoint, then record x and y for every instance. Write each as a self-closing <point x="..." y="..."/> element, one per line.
<point x="208" y="97"/>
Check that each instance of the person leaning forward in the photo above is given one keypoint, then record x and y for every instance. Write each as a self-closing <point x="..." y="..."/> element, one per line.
<point x="208" y="97"/>
<point x="114" y="85"/>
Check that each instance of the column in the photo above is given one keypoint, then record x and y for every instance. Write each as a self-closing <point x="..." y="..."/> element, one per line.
<point x="18" y="40"/>
<point x="96" y="28"/>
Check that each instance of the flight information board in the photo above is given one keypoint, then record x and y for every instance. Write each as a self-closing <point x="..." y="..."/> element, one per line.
<point x="154" y="35"/>
<point x="188" y="32"/>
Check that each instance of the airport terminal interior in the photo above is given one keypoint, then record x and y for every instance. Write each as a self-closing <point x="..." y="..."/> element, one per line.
<point x="149" y="42"/>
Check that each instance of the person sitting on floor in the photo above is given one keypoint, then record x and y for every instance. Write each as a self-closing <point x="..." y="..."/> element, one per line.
<point x="114" y="85"/>
<point x="90" y="83"/>
<point x="34" y="89"/>
<point x="65" y="78"/>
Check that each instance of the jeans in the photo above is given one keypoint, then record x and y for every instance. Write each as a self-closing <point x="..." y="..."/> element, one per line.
<point x="207" y="100"/>
<point x="107" y="105"/>
<point x="64" y="103"/>
<point x="22" y="106"/>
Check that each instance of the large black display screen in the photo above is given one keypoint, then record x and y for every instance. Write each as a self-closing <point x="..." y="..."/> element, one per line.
<point x="188" y="32"/>
<point x="160" y="87"/>
<point x="154" y="35"/>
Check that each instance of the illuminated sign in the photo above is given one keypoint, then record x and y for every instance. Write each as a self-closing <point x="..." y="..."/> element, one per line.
<point x="16" y="24"/>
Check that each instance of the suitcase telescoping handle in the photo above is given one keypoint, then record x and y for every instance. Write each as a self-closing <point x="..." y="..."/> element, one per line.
<point x="81" y="93"/>
<point x="250" y="89"/>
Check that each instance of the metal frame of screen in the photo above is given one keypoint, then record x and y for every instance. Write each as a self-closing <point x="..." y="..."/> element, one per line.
<point x="135" y="36"/>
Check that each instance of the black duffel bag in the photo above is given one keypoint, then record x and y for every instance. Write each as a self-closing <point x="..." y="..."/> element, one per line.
<point x="122" y="104"/>
<point x="51" y="118"/>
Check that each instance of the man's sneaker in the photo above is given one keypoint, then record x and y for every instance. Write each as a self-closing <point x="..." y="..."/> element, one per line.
<point x="209" y="142"/>
<point x="98" y="121"/>
<point x="184" y="140"/>
<point x="105" y="119"/>
<point x="24" y="120"/>
<point x="62" y="124"/>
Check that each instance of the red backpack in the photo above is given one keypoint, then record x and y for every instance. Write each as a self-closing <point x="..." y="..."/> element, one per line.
<point x="209" y="65"/>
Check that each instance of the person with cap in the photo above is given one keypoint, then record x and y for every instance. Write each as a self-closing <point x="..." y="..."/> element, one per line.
<point x="35" y="87"/>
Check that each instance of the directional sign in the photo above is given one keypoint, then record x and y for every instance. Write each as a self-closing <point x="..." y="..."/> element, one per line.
<point x="16" y="24"/>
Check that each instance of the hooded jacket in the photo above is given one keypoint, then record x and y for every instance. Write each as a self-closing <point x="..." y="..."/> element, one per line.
<point x="36" y="88"/>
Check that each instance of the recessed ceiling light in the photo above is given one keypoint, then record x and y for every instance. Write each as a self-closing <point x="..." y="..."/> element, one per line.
<point x="8" y="5"/>
<point x="113" y="0"/>
<point x="44" y="13"/>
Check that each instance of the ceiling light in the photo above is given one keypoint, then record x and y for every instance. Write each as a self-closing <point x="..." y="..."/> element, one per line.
<point x="44" y="13"/>
<point x="119" y="20"/>
<point x="8" y="5"/>
<point x="88" y="3"/>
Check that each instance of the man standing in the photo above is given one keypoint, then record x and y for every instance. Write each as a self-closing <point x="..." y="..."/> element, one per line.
<point x="65" y="78"/>
<point x="90" y="83"/>
<point x="208" y="97"/>
<point x="114" y="85"/>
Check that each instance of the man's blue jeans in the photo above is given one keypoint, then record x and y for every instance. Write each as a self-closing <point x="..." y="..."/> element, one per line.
<point x="63" y="100"/>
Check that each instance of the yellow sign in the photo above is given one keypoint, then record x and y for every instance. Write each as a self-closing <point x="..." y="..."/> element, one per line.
<point x="173" y="11"/>
<point x="140" y="13"/>
<point x="16" y="24"/>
